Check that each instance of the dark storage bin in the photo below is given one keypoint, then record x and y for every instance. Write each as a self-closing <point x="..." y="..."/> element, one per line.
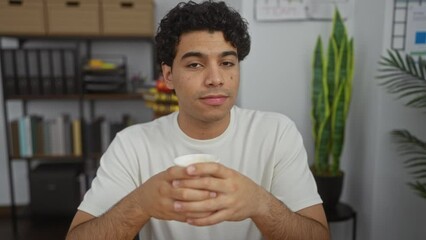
<point x="55" y="189"/>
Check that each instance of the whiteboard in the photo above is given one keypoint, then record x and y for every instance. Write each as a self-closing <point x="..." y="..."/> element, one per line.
<point x="285" y="10"/>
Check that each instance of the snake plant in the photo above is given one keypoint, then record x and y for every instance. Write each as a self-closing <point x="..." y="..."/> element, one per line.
<point x="331" y="95"/>
<point x="406" y="78"/>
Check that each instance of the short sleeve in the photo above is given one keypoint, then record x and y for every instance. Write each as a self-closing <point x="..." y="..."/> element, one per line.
<point x="293" y="182"/>
<point x="115" y="178"/>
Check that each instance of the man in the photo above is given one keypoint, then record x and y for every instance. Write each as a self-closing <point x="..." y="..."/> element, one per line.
<point x="262" y="186"/>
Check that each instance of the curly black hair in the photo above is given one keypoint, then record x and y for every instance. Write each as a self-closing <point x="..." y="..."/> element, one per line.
<point x="208" y="15"/>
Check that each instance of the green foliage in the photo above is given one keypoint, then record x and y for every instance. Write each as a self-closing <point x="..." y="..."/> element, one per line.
<point x="331" y="94"/>
<point x="407" y="79"/>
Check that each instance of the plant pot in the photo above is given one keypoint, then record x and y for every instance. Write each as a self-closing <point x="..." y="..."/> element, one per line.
<point x="330" y="189"/>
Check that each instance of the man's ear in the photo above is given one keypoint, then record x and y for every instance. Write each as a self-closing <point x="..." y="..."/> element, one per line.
<point x="167" y="75"/>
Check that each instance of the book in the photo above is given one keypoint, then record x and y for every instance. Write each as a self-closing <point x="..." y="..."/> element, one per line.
<point x="62" y="135"/>
<point x="54" y="142"/>
<point x="67" y="135"/>
<point x="93" y="136"/>
<point x="96" y="126"/>
<point x="105" y="135"/>
<point x="47" y="137"/>
<point x="14" y="135"/>
<point x="76" y="138"/>
<point x="36" y="138"/>
<point x="39" y="138"/>
<point x="28" y="139"/>
<point x="23" y="143"/>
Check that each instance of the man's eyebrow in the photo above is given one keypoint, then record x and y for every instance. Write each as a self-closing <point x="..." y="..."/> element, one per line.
<point x="200" y="55"/>
<point x="229" y="53"/>
<point x="192" y="54"/>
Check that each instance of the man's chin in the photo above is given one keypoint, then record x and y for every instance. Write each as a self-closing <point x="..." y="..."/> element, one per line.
<point x="216" y="115"/>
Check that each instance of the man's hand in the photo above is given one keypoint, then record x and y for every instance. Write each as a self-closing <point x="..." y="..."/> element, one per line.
<point x="237" y="196"/>
<point x="157" y="196"/>
<point x="154" y="198"/>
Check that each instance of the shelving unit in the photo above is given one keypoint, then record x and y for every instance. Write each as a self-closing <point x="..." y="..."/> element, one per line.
<point x="84" y="100"/>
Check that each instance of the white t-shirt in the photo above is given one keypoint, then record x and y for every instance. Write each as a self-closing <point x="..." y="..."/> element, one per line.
<point x="266" y="147"/>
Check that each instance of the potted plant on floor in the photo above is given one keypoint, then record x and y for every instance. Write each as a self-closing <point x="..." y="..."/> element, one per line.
<point x="331" y="95"/>
<point x="406" y="78"/>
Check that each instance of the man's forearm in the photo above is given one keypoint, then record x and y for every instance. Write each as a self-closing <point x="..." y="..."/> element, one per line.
<point x="123" y="221"/>
<point x="279" y="222"/>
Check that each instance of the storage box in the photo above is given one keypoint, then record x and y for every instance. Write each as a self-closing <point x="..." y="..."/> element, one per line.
<point x="73" y="17"/>
<point x="55" y="189"/>
<point x="128" y="18"/>
<point x="22" y="17"/>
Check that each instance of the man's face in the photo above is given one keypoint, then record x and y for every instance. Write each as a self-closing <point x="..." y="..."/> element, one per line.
<point x="205" y="76"/>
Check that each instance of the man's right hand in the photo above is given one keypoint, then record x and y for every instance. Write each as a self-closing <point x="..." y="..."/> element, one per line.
<point x="156" y="197"/>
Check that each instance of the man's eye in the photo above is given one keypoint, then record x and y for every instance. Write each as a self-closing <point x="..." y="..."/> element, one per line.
<point x="228" y="64"/>
<point x="194" y="65"/>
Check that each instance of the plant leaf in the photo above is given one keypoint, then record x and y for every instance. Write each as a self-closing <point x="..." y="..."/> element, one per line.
<point x="415" y="149"/>
<point x="405" y="79"/>
<point x="320" y="110"/>
<point x="317" y="82"/>
<point x="419" y="188"/>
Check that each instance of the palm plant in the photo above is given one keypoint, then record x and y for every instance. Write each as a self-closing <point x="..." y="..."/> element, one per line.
<point x="407" y="79"/>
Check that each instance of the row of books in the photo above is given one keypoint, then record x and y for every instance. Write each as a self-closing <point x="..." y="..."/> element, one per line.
<point x="34" y="136"/>
<point x="35" y="86"/>
<point x="40" y="71"/>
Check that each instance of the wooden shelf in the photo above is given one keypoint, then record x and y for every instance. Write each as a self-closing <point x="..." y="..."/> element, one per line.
<point x="79" y="37"/>
<point x="92" y="96"/>
<point x="113" y="96"/>
<point x="45" y="97"/>
<point x="49" y="157"/>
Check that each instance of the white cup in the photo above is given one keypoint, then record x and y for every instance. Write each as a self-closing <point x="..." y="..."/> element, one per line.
<point x="186" y="160"/>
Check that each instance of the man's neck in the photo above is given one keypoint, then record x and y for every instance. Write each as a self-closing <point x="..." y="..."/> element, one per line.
<point x="203" y="130"/>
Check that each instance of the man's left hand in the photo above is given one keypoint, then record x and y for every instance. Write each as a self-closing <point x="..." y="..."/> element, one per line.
<point x="238" y="197"/>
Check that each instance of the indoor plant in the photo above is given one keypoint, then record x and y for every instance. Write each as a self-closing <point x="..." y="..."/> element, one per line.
<point x="407" y="78"/>
<point x="331" y="95"/>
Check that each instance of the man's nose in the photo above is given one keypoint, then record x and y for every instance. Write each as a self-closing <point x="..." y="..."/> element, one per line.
<point x="213" y="76"/>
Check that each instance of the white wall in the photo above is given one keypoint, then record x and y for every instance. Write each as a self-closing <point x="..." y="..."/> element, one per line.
<point x="362" y="132"/>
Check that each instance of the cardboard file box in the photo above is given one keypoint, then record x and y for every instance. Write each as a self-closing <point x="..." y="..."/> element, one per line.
<point x="73" y="17"/>
<point x="128" y="18"/>
<point x="22" y="17"/>
<point x="55" y="189"/>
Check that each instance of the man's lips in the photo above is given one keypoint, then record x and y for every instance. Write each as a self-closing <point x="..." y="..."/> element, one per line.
<point x="214" y="100"/>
